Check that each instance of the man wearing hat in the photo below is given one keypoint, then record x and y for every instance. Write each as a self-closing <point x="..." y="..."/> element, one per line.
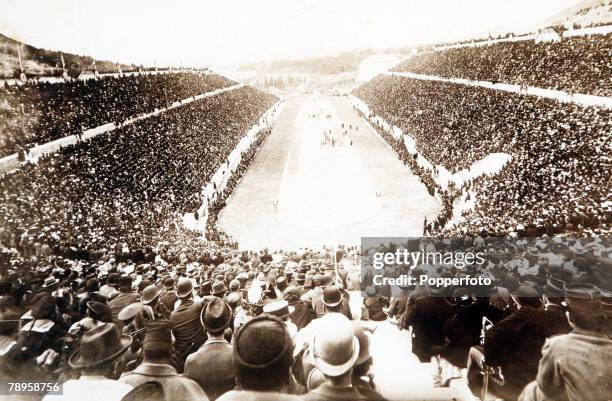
<point x="44" y="330"/>
<point x="150" y="298"/>
<point x="302" y="311"/>
<point x="263" y="356"/>
<point x="92" y="286"/>
<point x="125" y="296"/>
<point x="212" y="366"/>
<point x="514" y="344"/>
<point x="576" y="366"/>
<point x="186" y="328"/>
<point x="99" y="360"/>
<point x="168" y="296"/>
<point x="282" y="310"/>
<point x="335" y="350"/>
<point x="315" y="296"/>
<point x="554" y="311"/>
<point x="427" y="318"/>
<point x="334" y="301"/>
<point x="362" y="379"/>
<point x="218" y="289"/>
<point x="97" y="314"/>
<point x="157" y="366"/>
<point x="463" y="329"/>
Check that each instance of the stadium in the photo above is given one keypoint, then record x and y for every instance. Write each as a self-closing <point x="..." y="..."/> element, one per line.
<point x="203" y="230"/>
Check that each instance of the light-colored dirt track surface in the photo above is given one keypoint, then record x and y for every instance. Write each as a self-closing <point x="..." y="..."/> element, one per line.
<point x="300" y="193"/>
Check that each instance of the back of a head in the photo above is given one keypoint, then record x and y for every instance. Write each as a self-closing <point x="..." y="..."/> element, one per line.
<point x="528" y="295"/>
<point x="263" y="354"/>
<point x="585" y="306"/>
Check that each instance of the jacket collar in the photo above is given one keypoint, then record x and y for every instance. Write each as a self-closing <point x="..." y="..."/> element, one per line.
<point x="216" y="341"/>
<point x="348" y="393"/>
<point x="155" y="369"/>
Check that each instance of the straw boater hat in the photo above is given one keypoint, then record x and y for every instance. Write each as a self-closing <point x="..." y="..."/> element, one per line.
<point x="280" y="309"/>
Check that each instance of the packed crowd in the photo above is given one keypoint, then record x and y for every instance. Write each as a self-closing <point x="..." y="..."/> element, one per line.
<point x="576" y="65"/>
<point x="124" y="190"/>
<point x="279" y="325"/>
<point x="37" y="112"/>
<point x="558" y="177"/>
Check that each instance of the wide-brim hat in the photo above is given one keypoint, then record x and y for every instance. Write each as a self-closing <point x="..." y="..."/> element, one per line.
<point x="130" y="311"/>
<point x="334" y="370"/>
<point x="150" y="294"/>
<point x="216" y="315"/>
<point x="98" y="346"/>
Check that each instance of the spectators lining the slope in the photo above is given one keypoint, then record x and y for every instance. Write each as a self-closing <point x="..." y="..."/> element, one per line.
<point x="124" y="190"/>
<point x="558" y="175"/>
<point x="575" y="65"/>
<point x="38" y="112"/>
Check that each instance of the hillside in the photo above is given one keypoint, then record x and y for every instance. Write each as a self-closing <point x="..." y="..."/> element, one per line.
<point x="42" y="62"/>
<point x="584" y="14"/>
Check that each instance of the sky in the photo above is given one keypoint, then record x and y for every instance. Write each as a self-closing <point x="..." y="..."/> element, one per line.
<point x="229" y="32"/>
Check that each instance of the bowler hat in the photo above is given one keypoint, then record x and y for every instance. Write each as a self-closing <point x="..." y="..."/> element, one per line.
<point x="184" y="287"/>
<point x="218" y="288"/>
<point x="98" y="346"/>
<point x="92" y="285"/>
<point x="233" y="299"/>
<point x="168" y="283"/>
<point x="216" y="315"/>
<point x="234" y="285"/>
<point x="99" y="311"/>
<point x="334" y="346"/>
<point x="262" y="343"/>
<point x="332" y="296"/>
<point x="326" y="280"/>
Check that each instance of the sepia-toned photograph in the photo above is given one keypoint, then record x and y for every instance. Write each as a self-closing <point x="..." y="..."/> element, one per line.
<point x="306" y="200"/>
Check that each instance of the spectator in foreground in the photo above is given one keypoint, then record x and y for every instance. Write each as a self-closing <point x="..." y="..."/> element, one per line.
<point x="576" y="366"/>
<point x="157" y="366"/>
<point x="335" y="349"/>
<point x="262" y="361"/>
<point x="212" y="366"/>
<point x="99" y="360"/>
